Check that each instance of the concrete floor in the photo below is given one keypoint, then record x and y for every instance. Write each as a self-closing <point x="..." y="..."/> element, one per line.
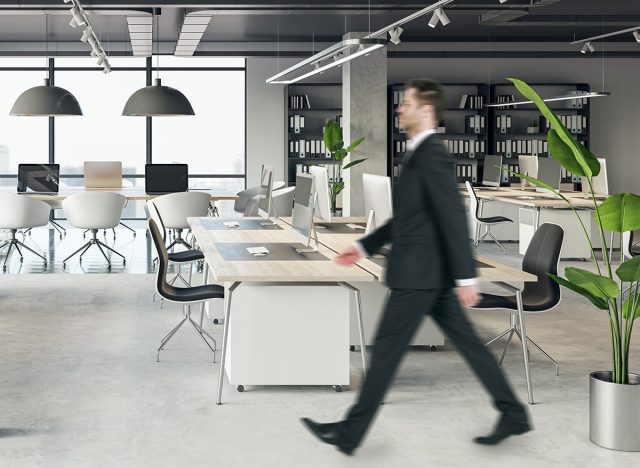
<point x="81" y="388"/>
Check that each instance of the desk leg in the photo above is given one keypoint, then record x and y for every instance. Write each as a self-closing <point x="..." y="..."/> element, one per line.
<point x="525" y="353"/>
<point x="537" y="217"/>
<point x="227" y="311"/>
<point x="363" y="347"/>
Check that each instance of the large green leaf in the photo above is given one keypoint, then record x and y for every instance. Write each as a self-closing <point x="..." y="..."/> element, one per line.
<point x="354" y="145"/>
<point x="620" y="212"/>
<point x="630" y="270"/>
<point x="632" y="300"/>
<point x="353" y="163"/>
<point x="596" y="301"/>
<point x="598" y="285"/>
<point x="332" y="135"/>
<point x="528" y="92"/>
<point x="563" y="154"/>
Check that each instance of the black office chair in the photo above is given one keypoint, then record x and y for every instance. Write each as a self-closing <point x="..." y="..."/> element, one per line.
<point x="185" y="296"/>
<point x="541" y="258"/>
<point x="476" y="207"/>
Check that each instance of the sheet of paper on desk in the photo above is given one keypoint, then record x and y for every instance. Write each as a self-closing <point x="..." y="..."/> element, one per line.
<point x="231" y="224"/>
<point x="258" y="251"/>
<point x="355" y="226"/>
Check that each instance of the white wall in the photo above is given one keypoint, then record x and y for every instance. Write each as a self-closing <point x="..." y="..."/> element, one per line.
<point x="615" y="120"/>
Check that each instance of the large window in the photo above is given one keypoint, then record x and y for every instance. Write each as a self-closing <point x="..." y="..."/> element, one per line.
<point x="212" y="142"/>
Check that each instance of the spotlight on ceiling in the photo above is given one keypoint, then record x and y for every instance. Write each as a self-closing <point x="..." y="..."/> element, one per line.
<point x="503" y="1"/>
<point x="588" y="46"/>
<point x="394" y="35"/>
<point x="77" y="18"/>
<point x="439" y="16"/>
<point x="636" y="35"/>
<point x="86" y="34"/>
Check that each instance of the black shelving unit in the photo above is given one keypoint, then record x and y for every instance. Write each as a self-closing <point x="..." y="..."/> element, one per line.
<point x="534" y="143"/>
<point x="455" y="134"/>
<point x="313" y="104"/>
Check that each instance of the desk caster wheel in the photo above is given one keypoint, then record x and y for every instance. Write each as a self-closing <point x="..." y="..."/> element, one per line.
<point x="337" y="388"/>
<point x="433" y="348"/>
<point x="352" y="348"/>
<point x="240" y="388"/>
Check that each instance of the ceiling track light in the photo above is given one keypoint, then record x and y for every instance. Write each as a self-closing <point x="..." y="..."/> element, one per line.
<point x="439" y="16"/>
<point x="79" y="18"/>
<point x="433" y="22"/>
<point x="587" y="47"/>
<point x="553" y="99"/>
<point x="394" y="35"/>
<point x="589" y="40"/>
<point x="365" y="45"/>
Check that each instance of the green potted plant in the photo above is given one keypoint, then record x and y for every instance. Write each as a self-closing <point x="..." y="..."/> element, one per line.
<point x="614" y="395"/>
<point x="334" y="142"/>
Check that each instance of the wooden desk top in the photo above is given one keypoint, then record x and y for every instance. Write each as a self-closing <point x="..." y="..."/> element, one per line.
<point x="266" y="270"/>
<point x="339" y="242"/>
<point x="131" y="193"/>
<point x="531" y="198"/>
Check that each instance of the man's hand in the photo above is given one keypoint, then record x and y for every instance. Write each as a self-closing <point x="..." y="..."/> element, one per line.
<point x="468" y="295"/>
<point x="348" y="257"/>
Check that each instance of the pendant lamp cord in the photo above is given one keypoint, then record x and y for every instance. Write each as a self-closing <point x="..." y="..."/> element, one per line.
<point x="157" y="48"/>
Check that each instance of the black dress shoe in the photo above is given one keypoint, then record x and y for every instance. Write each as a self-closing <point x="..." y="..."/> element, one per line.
<point x="506" y="427"/>
<point x="328" y="433"/>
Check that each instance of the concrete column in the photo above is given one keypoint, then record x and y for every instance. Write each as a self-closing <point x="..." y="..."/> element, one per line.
<point x="364" y="111"/>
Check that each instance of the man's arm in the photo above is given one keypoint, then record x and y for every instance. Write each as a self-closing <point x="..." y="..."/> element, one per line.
<point x="374" y="241"/>
<point x="437" y="180"/>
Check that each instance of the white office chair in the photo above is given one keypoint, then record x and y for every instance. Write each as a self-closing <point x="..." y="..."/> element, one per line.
<point x="476" y="208"/>
<point x="21" y="212"/>
<point x="94" y="211"/>
<point x="282" y="202"/>
<point x="175" y="208"/>
<point x="240" y="204"/>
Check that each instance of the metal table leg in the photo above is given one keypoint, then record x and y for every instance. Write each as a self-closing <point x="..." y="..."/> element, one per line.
<point x="227" y="311"/>
<point x="363" y="347"/>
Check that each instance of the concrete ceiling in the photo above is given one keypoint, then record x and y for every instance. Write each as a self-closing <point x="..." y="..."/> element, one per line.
<point x="326" y="21"/>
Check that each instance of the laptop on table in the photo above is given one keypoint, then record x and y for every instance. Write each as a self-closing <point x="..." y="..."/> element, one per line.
<point x="161" y="179"/>
<point x="39" y="178"/>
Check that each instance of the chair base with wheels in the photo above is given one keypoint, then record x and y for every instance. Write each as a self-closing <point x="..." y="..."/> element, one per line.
<point x="97" y="242"/>
<point x="14" y="243"/>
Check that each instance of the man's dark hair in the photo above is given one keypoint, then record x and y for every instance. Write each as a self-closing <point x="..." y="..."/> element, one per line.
<point x="429" y="92"/>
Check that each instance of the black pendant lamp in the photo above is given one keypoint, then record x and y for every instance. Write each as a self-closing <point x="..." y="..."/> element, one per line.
<point x="157" y="100"/>
<point x="46" y="100"/>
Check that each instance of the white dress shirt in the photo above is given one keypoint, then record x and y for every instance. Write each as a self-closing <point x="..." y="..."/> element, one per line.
<point x="411" y="146"/>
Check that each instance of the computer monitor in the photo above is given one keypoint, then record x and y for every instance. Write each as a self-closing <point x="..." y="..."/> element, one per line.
<point x="304" y="189"/>
<point x="323" y="200"/>
<point x="492" y="172"/>
<point x="39" y="178"/>
<point x="549" y="172"/>
<point x="265" y="202"/>
<point x="103" y="174"/>
<point x="303" y="230"/>
<point x="378" y="204"/>
<point x="599" y="183"/>
<point x="166" y="178"/>
<point x="528" y="165"/>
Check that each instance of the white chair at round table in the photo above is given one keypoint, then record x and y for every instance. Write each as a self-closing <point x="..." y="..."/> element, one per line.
<point x="175" y="208"/>
<point x="94" y="211"/>
<point x="21" y="212"/>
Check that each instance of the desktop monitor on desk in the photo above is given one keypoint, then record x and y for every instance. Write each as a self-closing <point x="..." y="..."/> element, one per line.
<point x="302" y="227"/>
<point x="492" y="172"/>
<point x="378" y="204"/>
<point x="38" y="178"/>
<point x="323" y="200"/>
<point x="528" y="165"/>
<point x="549" y="172"/>
<point x="103" y="174"/>
<point x="304" y="190"/>
<point x="160" y="179"/>
<point x="265" y="202"/>
<point x="599" y="183"/>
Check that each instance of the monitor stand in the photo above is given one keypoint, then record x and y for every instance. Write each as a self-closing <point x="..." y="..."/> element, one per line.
<point x="316" y="247"/>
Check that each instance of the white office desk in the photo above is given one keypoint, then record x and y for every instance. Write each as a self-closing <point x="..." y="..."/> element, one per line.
<point x="130" y="193"/>
<point x="528" y="209"/>
<point x="290" y="322"/>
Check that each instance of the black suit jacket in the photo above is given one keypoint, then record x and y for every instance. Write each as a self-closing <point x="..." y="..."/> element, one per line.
<point x="428" y="232"/>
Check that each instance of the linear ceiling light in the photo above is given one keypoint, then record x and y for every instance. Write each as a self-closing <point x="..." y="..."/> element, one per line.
<point x="552" y="99"/>
<point x="140" y="34"/>
<point x="633" y="31"/>
<point x="365" y="46"/>
<point x="193" y="27"/>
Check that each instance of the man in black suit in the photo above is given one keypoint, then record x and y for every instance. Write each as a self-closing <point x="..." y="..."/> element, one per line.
<point x="430" y="271"/>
